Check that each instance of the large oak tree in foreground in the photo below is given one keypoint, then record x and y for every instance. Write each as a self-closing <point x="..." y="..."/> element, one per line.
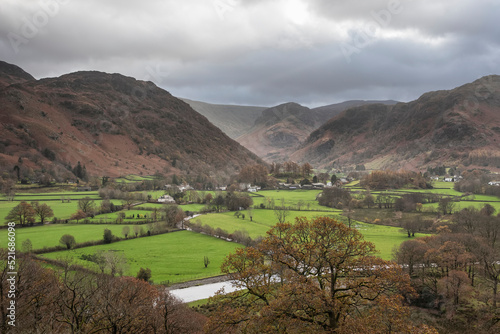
<point x="313" y="276"/>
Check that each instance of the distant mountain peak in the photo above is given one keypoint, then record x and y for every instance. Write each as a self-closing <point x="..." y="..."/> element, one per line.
<point x="279" y="113"/>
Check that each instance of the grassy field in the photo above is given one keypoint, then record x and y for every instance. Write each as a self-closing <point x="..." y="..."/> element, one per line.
<point x="384" y="237"/>
<point x="192" y="207"/>
<point x="440" y="188"/>
<point x="61" y="210"/>
<point x="262" y="220"/>
<point x="465" y="204"/>
<point x="130" y="216"/>
<point x="290" y="197"/>
<point x="185" y="207"/>
<point x="135" y="178"/>
<point x="49" y="235"/>
<point x="74" y="196"/>
<point x="173" y="257"/>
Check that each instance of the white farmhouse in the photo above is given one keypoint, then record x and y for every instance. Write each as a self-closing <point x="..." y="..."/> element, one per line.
<point x="166" y="199"/>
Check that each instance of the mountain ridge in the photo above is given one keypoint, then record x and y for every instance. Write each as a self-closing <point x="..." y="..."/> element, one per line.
<point x="115" y="125"/>
<point x="281" y="129"/>
<point x="450" y="127"/>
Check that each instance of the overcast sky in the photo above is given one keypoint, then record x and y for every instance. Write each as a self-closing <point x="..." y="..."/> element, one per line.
<point x="258" y="52"/>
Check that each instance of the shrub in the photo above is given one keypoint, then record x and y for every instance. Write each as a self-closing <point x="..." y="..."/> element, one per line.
<point x="144" y="274"/>
<point x="68" y="240"/>
<point x="108" y="236"/>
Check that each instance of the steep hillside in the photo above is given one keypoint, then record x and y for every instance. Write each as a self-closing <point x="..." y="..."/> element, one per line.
<point x="329" y="111"/>
<point x="456" y="127"/>
<point x="279" y="131"/>
<point x="12" y="74"/>
<point x="233" y="120"/>
<point x="112" y="124"/>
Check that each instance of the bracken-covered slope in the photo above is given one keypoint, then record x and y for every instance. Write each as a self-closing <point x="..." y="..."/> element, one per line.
<point x="452" y="128"/>
<point x="112" y="124"/>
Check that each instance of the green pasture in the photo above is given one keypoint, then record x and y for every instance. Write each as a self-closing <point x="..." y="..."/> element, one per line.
<point x="481" y="198"/>
<point x="148" y="206"/>
<point x="61" y="210"/>
<point x="135" y="178"/>
<point x="443" y="185"/>
<point x="192" y="207"/>
<point x="29" y="197"/>
<point x="262" y="220"/>
<point x="52" y="199"/>
<point x="439" y="188"/>
<point x="130" y="216"/>
<point x="173" y="257"/>
<point x="160" y="206"/>
<point x="384" y="237"/>
<point x="229" y="223"/>
<point x="436" y="191"/>
<point x="49" y="235"/>
<point x="290" y="197"/>
<point x="465" y="204"/>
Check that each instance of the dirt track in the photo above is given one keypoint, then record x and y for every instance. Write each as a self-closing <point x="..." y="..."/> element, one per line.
<point x="197" y="282"/>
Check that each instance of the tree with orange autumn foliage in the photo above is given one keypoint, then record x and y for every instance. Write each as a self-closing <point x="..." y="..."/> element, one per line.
<point x="22" y="214"/>
<point x="256" y="175"/>
<point x="79" y="214"/>
<point x="312" y="276"/>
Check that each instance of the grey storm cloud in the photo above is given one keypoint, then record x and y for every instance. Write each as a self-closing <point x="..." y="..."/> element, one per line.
<point x="260" y="52"/>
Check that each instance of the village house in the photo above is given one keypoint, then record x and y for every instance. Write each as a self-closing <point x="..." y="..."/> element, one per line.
<point x="254" y="189"/>
<point x="289" y="186"/>
<point x="244" y="186"/>
<point x="166" y="199"/>
<point x="185" y="187"/>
